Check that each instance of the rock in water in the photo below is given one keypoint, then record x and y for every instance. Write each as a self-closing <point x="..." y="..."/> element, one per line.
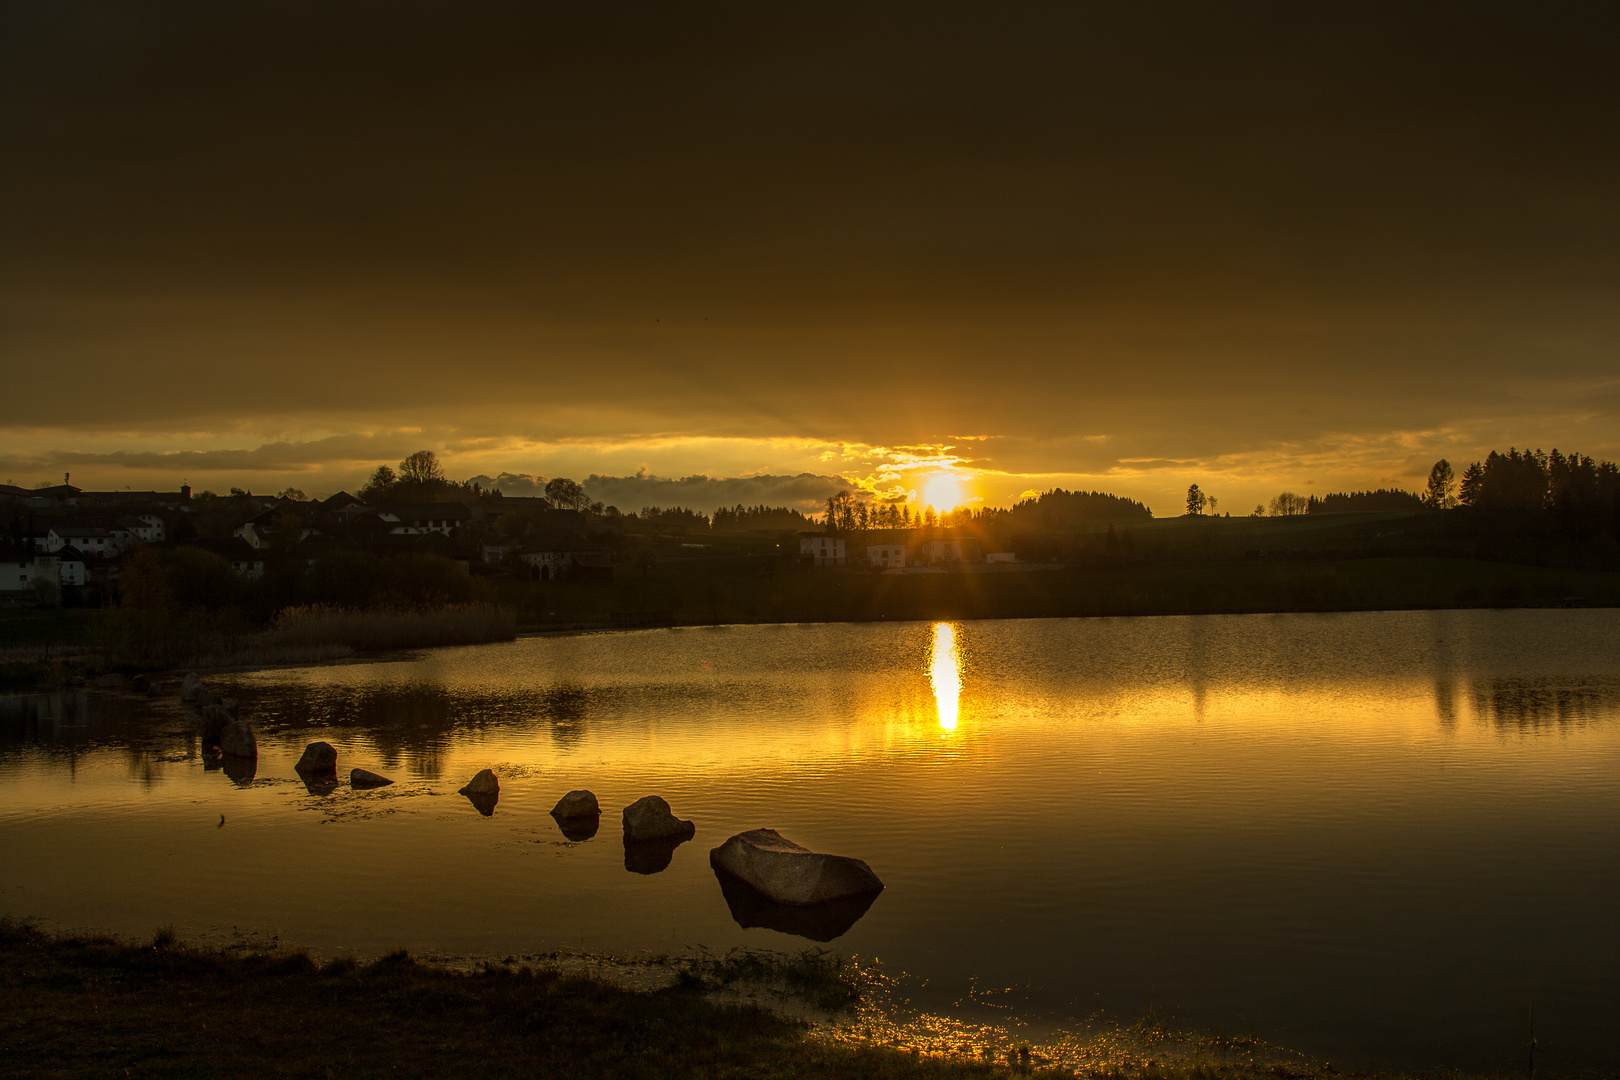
<point x="214" y="720"/>
<point x="789" y="874"/>
<point x="650" y="819"/>
<point x="364" y="778"/>
<point x="482" y="784"/>
<point x="237" y="739"/>
<point x="319" y="758"/>
<point x="191" y="687"/>
<point x="576" y="804"/>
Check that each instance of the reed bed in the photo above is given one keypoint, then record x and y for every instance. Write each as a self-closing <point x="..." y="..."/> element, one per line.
<point x="372" y="629"/>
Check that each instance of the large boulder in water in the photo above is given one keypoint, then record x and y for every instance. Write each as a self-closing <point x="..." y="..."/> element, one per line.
<point x="482" y="784"/>
<point x="789" y="874"/>
<point x="192" y="687"/>
<point x="365" y="778"/>
<point x="237" y="739"/>
<point x="320" y="758"/>
<point x="650" y="818"/>
<point x="576" y="804"/>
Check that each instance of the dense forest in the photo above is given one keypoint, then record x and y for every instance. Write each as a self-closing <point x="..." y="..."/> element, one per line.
<point x="1384" y="500"/>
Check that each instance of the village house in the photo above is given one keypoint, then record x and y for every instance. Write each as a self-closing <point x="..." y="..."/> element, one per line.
<point x="885" y="556"/>
<point x="948" y="550"/>
<point x="145" y="528"/>
<point x="820" y="550"/>
<point x="591" y="567"/>
<point x="87" y="539"/>
<point x="17" y="575"/>
<point x="244" y="559"/>
<point x="416" y="519"/>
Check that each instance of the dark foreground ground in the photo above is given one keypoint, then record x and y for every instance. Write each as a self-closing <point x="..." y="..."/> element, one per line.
<point x="94" y="1007"/>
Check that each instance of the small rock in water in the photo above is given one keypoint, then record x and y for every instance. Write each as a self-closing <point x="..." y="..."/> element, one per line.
<point x="790" y="874"/>
<point x="576" y="804"/>
<point x="482" y="784"/>
<point x="191" y="687"/>
<point x="365" y="778"/>
<point x="113" y="680"/>
<point x="214" y="720"/>
<point x="319" y="757"/>
<point x="237" y="739"/>
<point x="650" y="818"/>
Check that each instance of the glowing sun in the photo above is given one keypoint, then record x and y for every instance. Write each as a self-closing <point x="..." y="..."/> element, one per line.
<point x="943" y="492"/>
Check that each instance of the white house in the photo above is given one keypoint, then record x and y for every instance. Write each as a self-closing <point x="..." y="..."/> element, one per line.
<point x="144" y="528"/>
<point x="416" y="519"/>
<point x="886" y="555"/>
<point x="89" y="540"/>
<point x="824" y="550"/>
<point x="71" y="568"/>
<point x="16" y="575"/>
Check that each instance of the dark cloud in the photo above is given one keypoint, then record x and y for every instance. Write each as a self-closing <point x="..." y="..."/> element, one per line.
<point x="1196" y="228"/>
<point x="277" y="458"/>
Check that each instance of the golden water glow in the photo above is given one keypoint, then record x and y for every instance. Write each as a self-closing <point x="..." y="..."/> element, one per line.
<point x="943" y="491"/>
<point x="945" y="674"/>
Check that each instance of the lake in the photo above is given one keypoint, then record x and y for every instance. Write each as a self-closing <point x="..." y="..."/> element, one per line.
<point x="1372" y="837"/>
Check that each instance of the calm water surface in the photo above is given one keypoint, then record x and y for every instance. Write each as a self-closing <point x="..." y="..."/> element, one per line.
<point x="1372" y="837"/>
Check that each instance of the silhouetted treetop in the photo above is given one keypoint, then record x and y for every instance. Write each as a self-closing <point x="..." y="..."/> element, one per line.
<point x="1382" y="500"/>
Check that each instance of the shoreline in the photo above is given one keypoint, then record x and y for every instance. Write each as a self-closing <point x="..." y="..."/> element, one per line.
<point x="80" y="667"/>
<point x="86" y="1004"/>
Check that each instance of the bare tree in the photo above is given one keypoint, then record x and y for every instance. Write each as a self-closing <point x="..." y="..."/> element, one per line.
<point x="1288" y="504"/>
<point x="421" y="468"/>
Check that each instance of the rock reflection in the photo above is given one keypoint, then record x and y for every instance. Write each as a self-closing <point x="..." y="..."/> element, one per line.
<point x="241" y="770"/>
<point x="581" y="828"/>
<point x="651" y="856"/>
<point x="319" y="784"/>
<point x="484" y="802"/>
<point x="818" y="922"/>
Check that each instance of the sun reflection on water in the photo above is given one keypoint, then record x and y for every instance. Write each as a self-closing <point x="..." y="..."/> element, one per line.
<point x="945" y="674"/>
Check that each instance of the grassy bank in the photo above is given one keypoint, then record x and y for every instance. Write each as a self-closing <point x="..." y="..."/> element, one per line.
<point x="373" y="630"/>
<point x="742" y="590"/>
<point x="93" y="1007"/>
<point x="50" y="649"/>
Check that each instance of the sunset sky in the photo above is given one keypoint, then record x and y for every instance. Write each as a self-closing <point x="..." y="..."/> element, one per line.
<point x="776" y="249"/>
